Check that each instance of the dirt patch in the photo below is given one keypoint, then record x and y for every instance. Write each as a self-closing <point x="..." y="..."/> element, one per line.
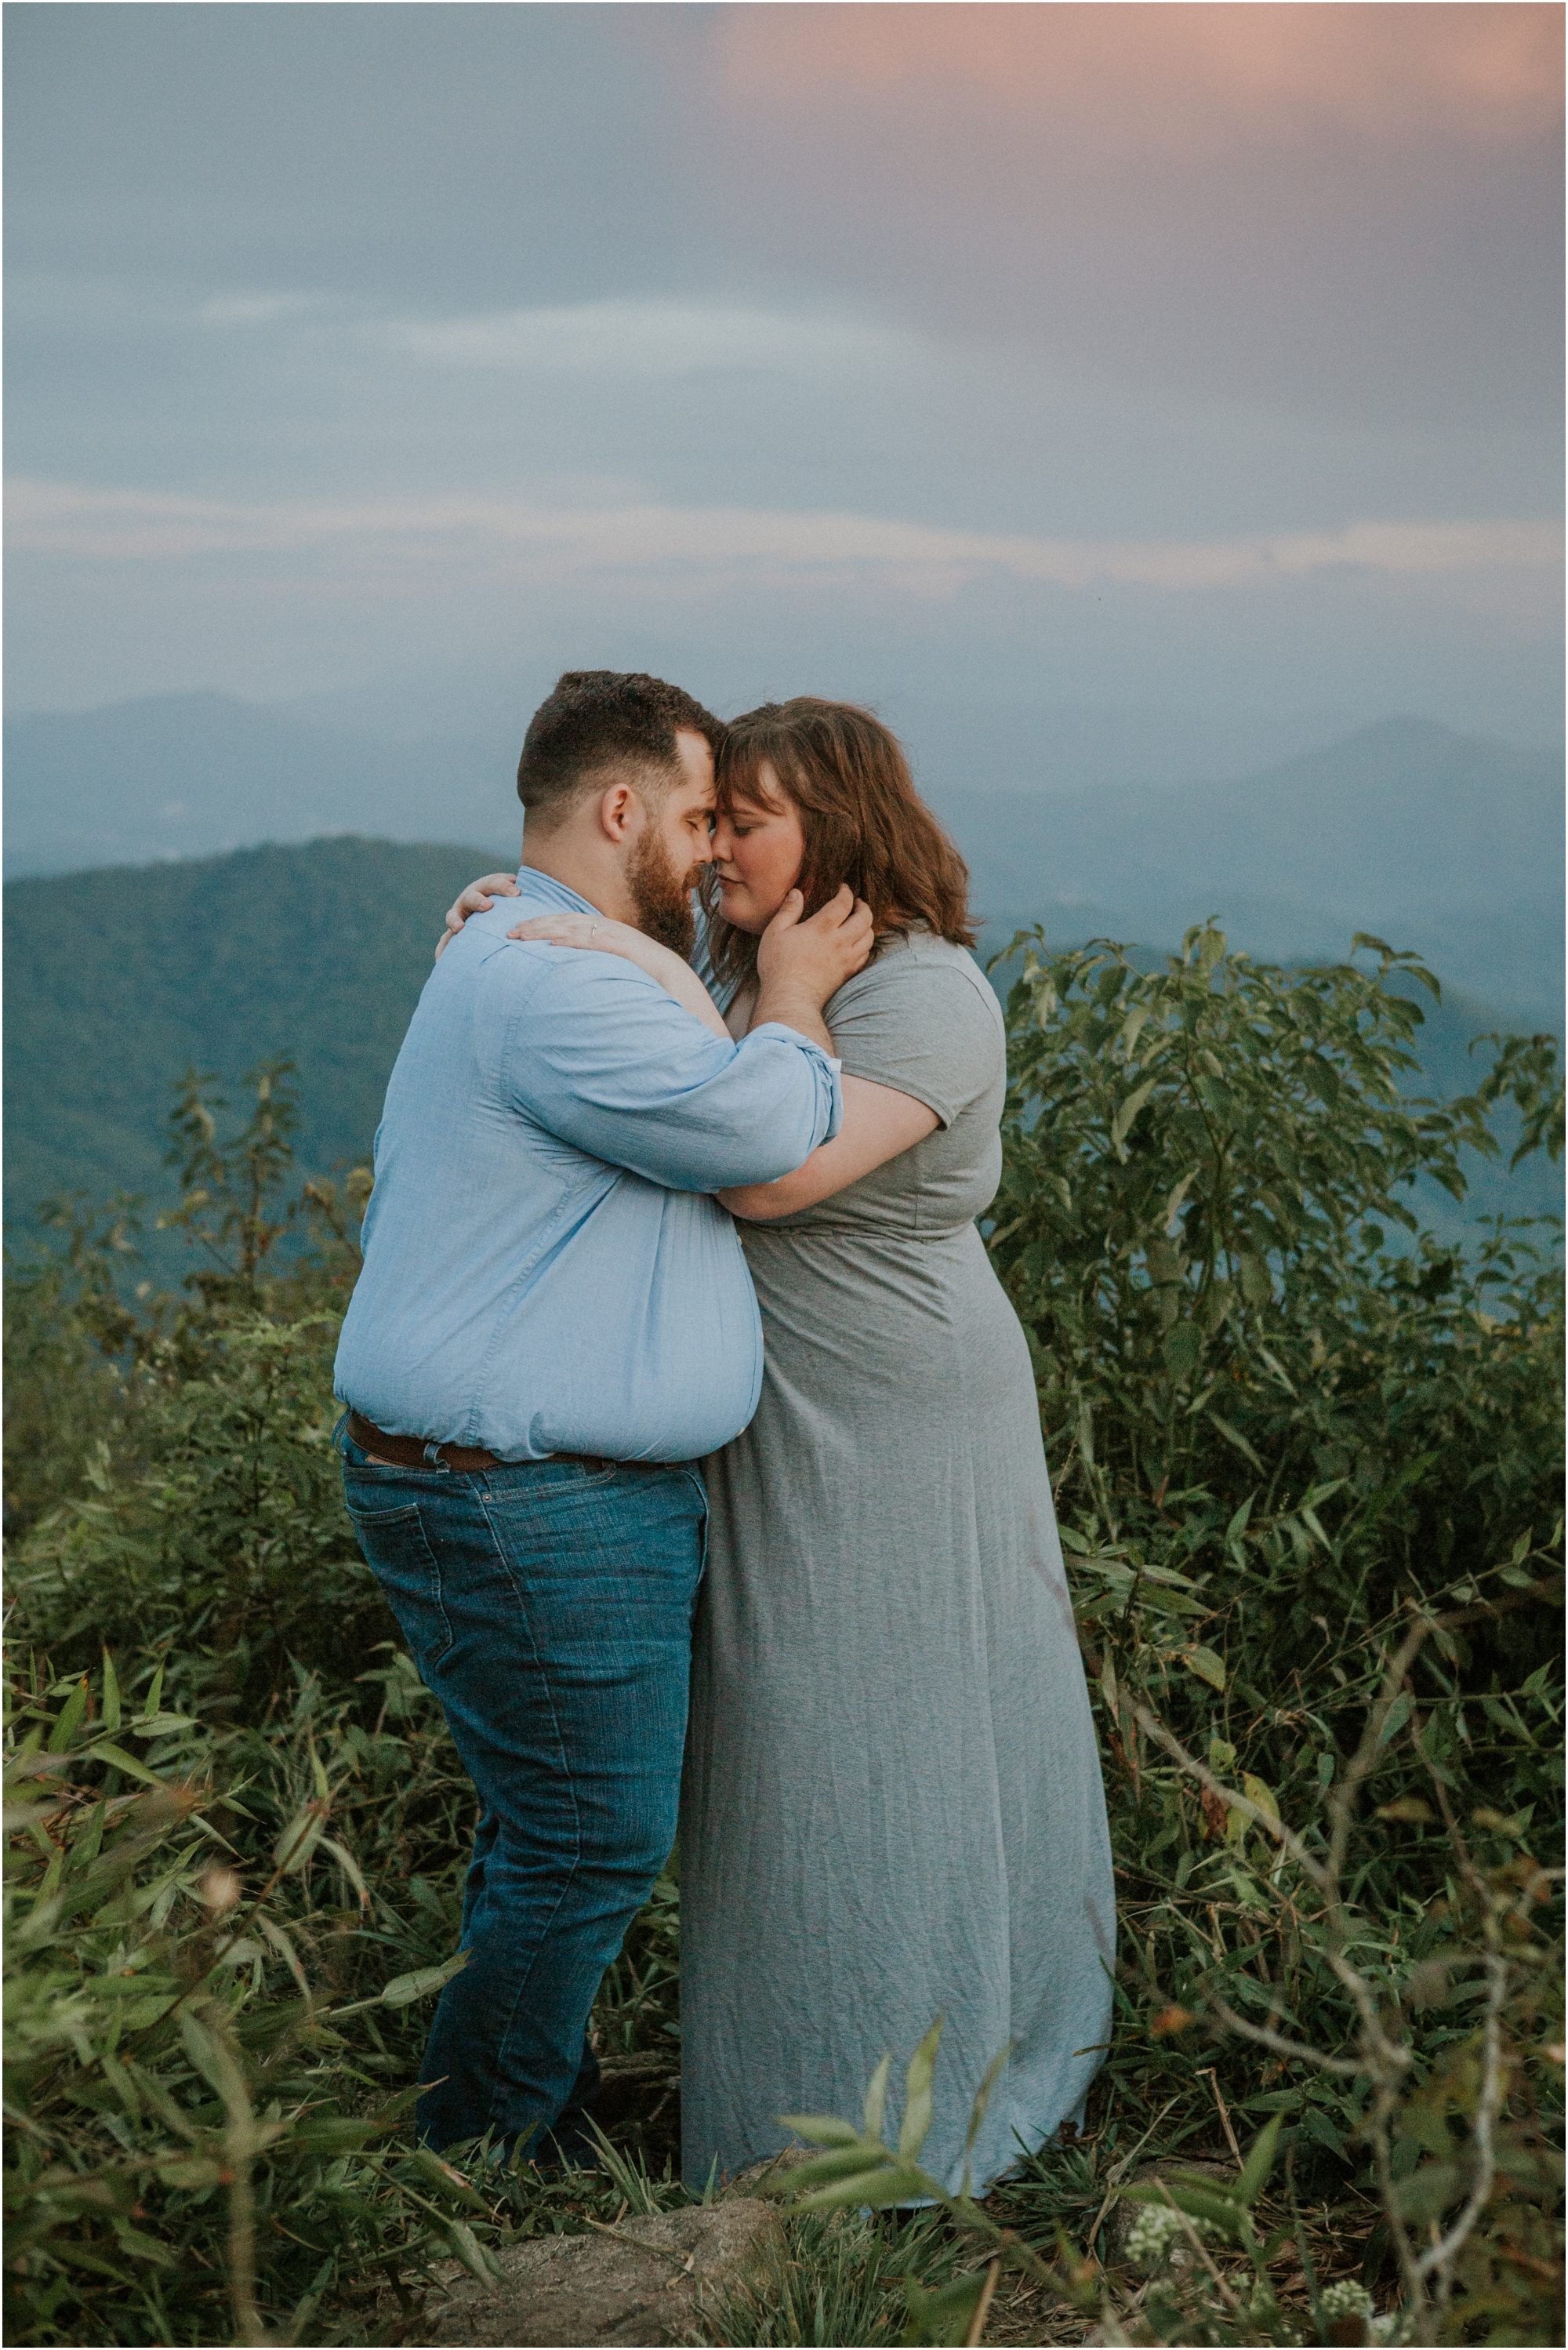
<point x="636" y="2285"/>
<point x="770" y="2170"/>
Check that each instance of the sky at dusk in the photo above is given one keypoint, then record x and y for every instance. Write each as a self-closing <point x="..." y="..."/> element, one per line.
<point x="1104" y="356"/>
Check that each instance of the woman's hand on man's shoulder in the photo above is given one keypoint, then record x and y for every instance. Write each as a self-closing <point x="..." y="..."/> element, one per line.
<point x="477" y="899"/>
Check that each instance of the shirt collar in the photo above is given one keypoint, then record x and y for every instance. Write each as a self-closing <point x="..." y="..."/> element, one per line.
<point x="544" y="889"/>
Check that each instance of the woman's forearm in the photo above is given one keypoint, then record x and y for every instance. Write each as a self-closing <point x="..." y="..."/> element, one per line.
<point x="597" y="935"/>
<point x="677" y="979"/>
<point x="878" y="1124"/>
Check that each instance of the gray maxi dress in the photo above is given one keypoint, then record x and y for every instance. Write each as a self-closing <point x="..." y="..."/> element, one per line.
<point x="892" y="1806"/>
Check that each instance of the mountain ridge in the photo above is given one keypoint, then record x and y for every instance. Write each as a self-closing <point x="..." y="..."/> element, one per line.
<point x="120" y="978"/>
<point x="1420" y="814"/>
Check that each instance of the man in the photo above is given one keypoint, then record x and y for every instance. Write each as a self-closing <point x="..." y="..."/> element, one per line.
<point x="553" y="1324"/>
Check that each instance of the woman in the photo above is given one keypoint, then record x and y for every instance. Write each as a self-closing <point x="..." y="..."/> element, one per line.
<point x="892" y="1807"/>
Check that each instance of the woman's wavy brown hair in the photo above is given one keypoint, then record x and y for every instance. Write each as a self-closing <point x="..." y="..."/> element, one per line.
<point x="864" y="822"/>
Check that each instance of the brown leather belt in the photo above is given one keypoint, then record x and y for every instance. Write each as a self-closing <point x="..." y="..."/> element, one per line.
<point x="409" y="1452"/>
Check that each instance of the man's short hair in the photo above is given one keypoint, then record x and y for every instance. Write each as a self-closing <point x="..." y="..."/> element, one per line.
<point x="599" y="721"/>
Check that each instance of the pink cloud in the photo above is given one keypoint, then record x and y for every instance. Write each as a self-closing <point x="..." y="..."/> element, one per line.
<point x="740" y="543"/>
<point x="1170" y="79"/>
<point x="1341" y="210"/>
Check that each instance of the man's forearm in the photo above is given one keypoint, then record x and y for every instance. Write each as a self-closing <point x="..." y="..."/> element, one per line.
<point x="793" y="1007"/>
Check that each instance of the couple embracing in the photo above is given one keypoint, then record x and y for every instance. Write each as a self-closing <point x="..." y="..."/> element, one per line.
<point x="696" y="1448"/>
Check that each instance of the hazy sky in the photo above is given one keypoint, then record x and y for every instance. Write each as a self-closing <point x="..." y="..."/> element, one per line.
<point x="1102" y="354"/>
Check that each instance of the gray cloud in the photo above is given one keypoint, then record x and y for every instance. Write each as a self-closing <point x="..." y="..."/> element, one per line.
<point x="653" y="339"/>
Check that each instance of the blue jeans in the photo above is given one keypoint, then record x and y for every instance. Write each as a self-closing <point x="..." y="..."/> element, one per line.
<point x="548" y="1606"/>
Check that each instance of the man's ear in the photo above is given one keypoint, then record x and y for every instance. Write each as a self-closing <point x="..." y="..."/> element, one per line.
<point x="619" y="813"/>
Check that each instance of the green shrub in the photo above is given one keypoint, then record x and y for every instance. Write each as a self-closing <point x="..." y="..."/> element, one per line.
<point x="216" y="1944"/>
<point x="1308" y="1467"/>
<point x="1202" y="1165"/>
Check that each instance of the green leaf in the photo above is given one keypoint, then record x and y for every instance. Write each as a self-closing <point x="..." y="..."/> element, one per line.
<point x="110" y="1695"/>
<point x="1397" y="1715"/>
<point x="71" y="1713"/>
<point x="1259" y="1791"/>
<point x="1323" y="1080"/>
<point x="207" y="2053"/>
<point x="103" y="1750"/>
<point x="1206" y="1665"/>
<point x="1257" y="1287"/>
<point x="1180" y="1347"/>
<point x="897" y="2182"/>
<point x="877" y="2097"/>
<point x="189" y="2171"/>
<point x="1131" y="1025"/>
<point x="143" y="2247"/>
<point x="448" y="2181"/>
<point x="1260" y="2157"/>
<point x="1128" y="1111"/>
<point x="1313" y="1525"/>
<point x="349" y="1865"/>
<point x="403" y="1990"/>
<point x="1234" y="1436"/>
<point x="982" y="2100"/>
<point x="945" y="2315"/>
<point x="75" y="2256"/>
<point x="917" y="2121"/>
<point x="285" y="1951"/>
<point x="821" y="2129"/>
<point x="1174" y="1199"/>
<point x="1429" y="2192"/>
<point x="824" y="2170"/>
<point x="333" y="2134"/>
<point x="298" y="1840"/>
<point x="465" y="2245"/>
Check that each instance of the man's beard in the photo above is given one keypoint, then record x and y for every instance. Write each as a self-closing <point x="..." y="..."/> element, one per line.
<point x="661" y="897"/>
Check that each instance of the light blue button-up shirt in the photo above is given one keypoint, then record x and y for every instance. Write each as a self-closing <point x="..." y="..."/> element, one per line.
<point x="545" y="1268"/>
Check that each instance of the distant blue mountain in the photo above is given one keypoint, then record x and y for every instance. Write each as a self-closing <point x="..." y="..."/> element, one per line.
<point x="1439" y="842"/>
<point x="198" y="775"/>
<point x="1443" y="842"/>
<point x="117" y="979"/>
<point x="168" y="951"/>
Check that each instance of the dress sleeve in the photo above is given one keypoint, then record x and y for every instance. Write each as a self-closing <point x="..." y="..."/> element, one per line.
<point x="929" y="1029"/>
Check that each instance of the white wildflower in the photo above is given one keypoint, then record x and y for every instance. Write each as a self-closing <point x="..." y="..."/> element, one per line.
<point x="1157" y="2232"/>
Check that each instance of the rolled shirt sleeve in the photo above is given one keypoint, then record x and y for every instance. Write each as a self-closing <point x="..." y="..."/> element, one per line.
<point x="604" y="1059"/>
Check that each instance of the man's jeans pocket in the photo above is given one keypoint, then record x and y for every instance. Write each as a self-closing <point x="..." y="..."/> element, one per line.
<point x="399" y="1549"/>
